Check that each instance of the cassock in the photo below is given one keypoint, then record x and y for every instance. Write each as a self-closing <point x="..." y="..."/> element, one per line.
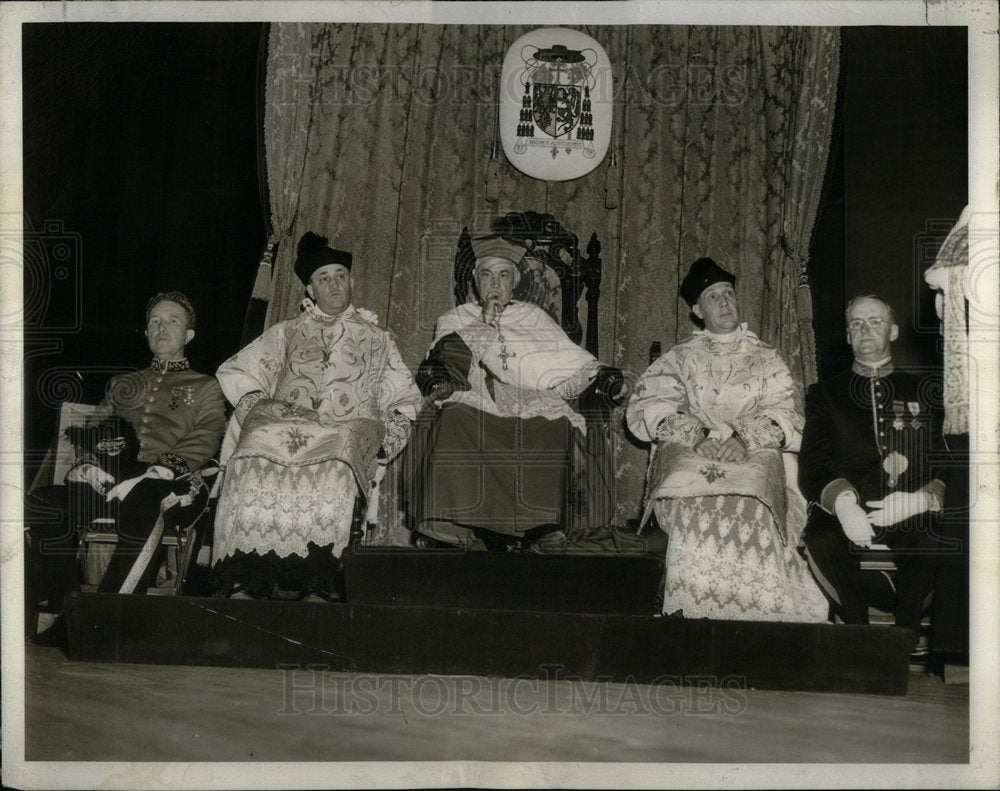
<point x="731" y="552"/>
<point x="317" y="397"/>
<point x="496" y="456"/>
<point x="874" y="432"/>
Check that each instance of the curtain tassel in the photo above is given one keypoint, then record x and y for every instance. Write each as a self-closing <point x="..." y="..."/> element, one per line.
<point x="805" y="299"/>
<point x="804" y="292"/>
<point x="493" y="178"/>
<point x="262" y="284"/>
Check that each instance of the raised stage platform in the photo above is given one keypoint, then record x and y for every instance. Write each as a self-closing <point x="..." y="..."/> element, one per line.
<point x="624" y="584"/>
<point x="586" y="618"/>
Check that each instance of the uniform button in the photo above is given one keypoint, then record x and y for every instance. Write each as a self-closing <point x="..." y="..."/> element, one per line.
<point x="145" y="420"/>
<point x="151" y="399"/>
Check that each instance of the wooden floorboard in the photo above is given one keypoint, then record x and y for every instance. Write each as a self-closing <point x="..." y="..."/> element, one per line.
<point x="129" y="712"/>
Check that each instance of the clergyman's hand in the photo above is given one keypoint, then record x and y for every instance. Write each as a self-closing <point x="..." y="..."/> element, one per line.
<point x="708" y="447"/>
<point x="440" y="393"/>
<point x="491" y="311"/>
<point x="733" y="449"/>
<point x="853" y="520"/>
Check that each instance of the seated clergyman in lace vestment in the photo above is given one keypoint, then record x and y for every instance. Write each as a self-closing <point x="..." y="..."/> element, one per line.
<point x="718" y="408"/>
<point x="320" y="401"/>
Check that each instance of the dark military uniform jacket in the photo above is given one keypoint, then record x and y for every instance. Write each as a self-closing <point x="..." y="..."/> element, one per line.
<point x="873" y="431"/>
<point x="178" y="413"/>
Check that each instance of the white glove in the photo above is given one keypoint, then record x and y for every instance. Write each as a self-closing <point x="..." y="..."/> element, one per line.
<point x="121" y="491"/>
<point x="160" y="472"/>
<point x="898" y="507"/>
<point x="853" y="519"/>
<point x="98" y="479"/>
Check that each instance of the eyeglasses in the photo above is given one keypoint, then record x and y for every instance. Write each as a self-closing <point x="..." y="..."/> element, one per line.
<point x="873" y="323"/>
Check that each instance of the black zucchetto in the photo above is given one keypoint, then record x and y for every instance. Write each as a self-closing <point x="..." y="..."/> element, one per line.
<point x="703" y="273"/>
<point x="313" y="252"/>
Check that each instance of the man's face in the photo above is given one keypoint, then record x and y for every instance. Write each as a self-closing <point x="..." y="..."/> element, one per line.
<point x="495" y="279"/>
<point x="870" y="343"/>
<point x="330" y="287"/>
<point x="168" y="330"/>
<point x="718" y="308"/>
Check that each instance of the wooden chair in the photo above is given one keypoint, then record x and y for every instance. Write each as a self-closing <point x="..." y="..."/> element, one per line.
<point x="555" y="276"/>
<point x="96" y="532"/>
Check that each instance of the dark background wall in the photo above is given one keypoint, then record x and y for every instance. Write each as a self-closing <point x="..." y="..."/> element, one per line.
<point x="897" y="183"/>
<point x="141" y="175"/>
<point x="140" y="162"/>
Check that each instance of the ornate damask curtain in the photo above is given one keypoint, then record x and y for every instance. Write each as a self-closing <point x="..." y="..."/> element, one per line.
<point x="379" y="136"/>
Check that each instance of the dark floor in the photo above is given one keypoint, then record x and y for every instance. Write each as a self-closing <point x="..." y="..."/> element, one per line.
<point x="123" y="712"/>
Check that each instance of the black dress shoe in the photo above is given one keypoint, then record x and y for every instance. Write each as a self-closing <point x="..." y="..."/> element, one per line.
<point x="553" y="543"/>
<point x="499" y="542"/>
<point x="252" y="590"/>
<point x="316" y="594"/>
<point x="318" y="589"/>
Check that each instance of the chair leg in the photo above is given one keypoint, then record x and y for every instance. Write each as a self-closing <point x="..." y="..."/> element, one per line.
<point x="185" y="551"/>
<point x="358" y="526"/>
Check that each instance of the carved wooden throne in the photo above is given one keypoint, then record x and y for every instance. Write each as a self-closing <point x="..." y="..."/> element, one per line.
<point x="554" y="276"/>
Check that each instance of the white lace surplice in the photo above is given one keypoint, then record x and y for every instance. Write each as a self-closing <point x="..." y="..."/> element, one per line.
<point x="331" y="385"/>
<point x="729" y="554"/>
<point x="267" y="506"/>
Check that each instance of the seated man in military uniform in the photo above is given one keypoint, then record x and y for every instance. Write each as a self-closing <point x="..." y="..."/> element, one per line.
<point x="870" y="466"/>
<point x="142" y="452"/>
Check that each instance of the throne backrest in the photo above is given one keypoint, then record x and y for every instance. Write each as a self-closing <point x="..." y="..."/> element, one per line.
<point x="553" y="272"/>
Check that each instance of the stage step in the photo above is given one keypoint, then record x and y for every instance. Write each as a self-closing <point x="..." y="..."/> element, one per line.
<point x="621" y="584"/>
<point x="386" y="639"/>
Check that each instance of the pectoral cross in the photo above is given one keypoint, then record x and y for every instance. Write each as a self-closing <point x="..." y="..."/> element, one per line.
<point x="504" y="354"/>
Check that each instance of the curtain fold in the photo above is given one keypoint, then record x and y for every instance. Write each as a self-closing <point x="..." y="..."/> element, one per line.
<point x="378" y="136"/>
<point x="287" y="127"/>
<point x="805" y="81"/>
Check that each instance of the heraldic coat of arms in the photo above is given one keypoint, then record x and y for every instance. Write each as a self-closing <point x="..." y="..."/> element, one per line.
<point x="556" y="109"/>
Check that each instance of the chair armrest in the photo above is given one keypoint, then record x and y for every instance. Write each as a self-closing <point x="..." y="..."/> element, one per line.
<point x="603" y="394"/>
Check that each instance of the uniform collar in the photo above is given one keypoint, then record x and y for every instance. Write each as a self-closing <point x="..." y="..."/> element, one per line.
<point x="874" y="370"/>
<point x="171" y="366"/>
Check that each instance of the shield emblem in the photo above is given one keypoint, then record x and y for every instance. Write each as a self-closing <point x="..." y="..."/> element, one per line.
<point x="556" y="108"/>
<point x="556" y="104"/>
